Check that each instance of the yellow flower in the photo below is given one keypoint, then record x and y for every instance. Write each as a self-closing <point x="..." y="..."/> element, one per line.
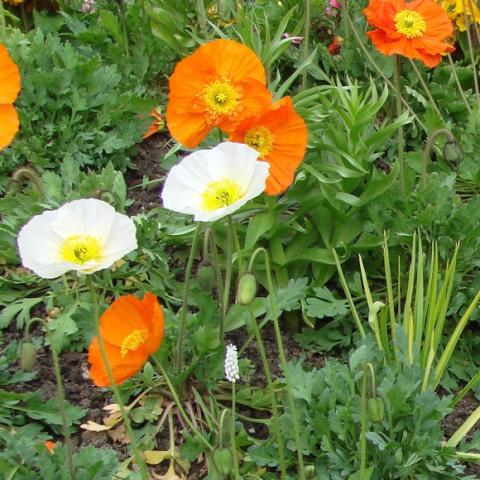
<point x="457" y="9"/>
<point x="13" y="2"/>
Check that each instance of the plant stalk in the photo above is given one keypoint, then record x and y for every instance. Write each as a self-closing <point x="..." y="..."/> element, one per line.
<point x="283" y="359"/>
<point x="228" y="274"/>
<point x="306" y="41"/>
<point x="268" y="376"/>
<point x="400" y="138"/>
<point x="184" y="308"/>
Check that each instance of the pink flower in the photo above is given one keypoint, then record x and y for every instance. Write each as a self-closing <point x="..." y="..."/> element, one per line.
<point x="334" y="4"/>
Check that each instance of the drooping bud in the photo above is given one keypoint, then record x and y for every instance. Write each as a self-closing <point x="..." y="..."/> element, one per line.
<point x="232" y="373"/>
<point x="206" y="277"/>
<point x="28" y="356"/>
<point x="375" y="409"/>
<point x="247" y="289"/>
<point x="453" y="152"/>
<point x="310" y="471"/>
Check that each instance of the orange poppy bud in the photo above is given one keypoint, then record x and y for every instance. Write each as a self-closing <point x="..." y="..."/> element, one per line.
<point x="131" y="330"/>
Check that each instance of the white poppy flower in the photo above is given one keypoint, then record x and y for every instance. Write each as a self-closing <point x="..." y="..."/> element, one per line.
<point x="210" y="184"/>
<point x="84" y="235"/>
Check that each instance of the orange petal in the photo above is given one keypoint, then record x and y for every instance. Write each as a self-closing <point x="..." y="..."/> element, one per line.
<point x="122" y="368"/>
<point x="9" y="125"/>
<point x="9" y="77"/>
<point x="121" y="318"/>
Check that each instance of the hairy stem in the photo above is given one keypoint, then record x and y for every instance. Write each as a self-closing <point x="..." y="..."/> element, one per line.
<point x="184" y="307"/>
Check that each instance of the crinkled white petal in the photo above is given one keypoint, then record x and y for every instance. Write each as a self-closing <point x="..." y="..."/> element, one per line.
<point x="41" y="239"/>
<point x="186" y="182"/>
<point x="87" y="216"/>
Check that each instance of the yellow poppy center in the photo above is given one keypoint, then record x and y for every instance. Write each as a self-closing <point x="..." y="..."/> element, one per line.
<point x="80" y="249"/>
<point x="410" y="23"/>
<point x="221" y="193"/>
<point x="261" y="139"/>
<point x="132" y="341"/>
<point x="221" y="98"/>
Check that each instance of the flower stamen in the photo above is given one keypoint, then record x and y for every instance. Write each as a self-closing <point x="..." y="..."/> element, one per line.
<point x="221" y="193"/>
<point x="133" y="341"/>
<point x="221" y="98"/>
<point x="80" y="249"/>
<point x="261" y="139"/>
<point x="410" y="23"/>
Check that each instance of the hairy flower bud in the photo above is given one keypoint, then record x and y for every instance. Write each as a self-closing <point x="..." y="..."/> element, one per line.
<point x="247" y="289"/>
<point x="28" y="356"/>
<point x="375" y="409"/>
<point x="453" y="152"/>
<point x="206" y="277"/>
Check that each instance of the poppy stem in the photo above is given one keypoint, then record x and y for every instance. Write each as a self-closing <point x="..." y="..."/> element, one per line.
<point x="233" y="440"/>
<point x="363" y="425"/>
<point x="228" y="274"/>
<point x="427" y="91"/>
<point x="116" y="392"/>
<point x="306" y="41"/>
<point x="184" y="415"/>
<point x="123" y="21"/>
<point x="184" y="307"/>
<point x="400" y="138"/>
<point x="202" y="18"/>
<point x="459" y="85"/>
<point x="472" y="53"/>
<point x="271" y="388"/>
<point x="3" y="24"/>
<point x="281" y="354"/>
<point x="210" y="252"/>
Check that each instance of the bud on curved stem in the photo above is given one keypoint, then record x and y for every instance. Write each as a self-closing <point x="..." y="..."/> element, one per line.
<point x="26" y="173"/>
<point x="429" y="147"/>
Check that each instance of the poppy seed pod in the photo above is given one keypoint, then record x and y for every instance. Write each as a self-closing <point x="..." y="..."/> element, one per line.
<point x="247" y="289"/>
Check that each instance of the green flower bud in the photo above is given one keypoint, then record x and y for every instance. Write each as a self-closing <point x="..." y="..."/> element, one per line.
<point x="206" y="277"/>
<point x="247" y="289"/>
<point x="310" y="471"/>
<point x="453" y="152"/>
<point x="28" y="356"/>
<point x="223" y="460"/>
<point x="375" y="409"/>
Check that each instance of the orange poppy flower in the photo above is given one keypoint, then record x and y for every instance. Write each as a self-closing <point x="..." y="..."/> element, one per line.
<point x="219" y="85"/>
<point x="416" y="30"/>
<point x="9" y="88"/>
<point x="279" y="134"/>
<point x="132" y="330"/>
<point x="157" y="123"/>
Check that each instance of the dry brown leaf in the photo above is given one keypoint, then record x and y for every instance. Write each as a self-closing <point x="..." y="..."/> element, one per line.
<point x="94" y="427"/>
<point x="119" y="434"/>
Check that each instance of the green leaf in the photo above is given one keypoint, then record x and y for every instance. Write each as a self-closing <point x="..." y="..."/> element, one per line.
<point x="20" y="309"/>
<point x="258" y="226"/>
